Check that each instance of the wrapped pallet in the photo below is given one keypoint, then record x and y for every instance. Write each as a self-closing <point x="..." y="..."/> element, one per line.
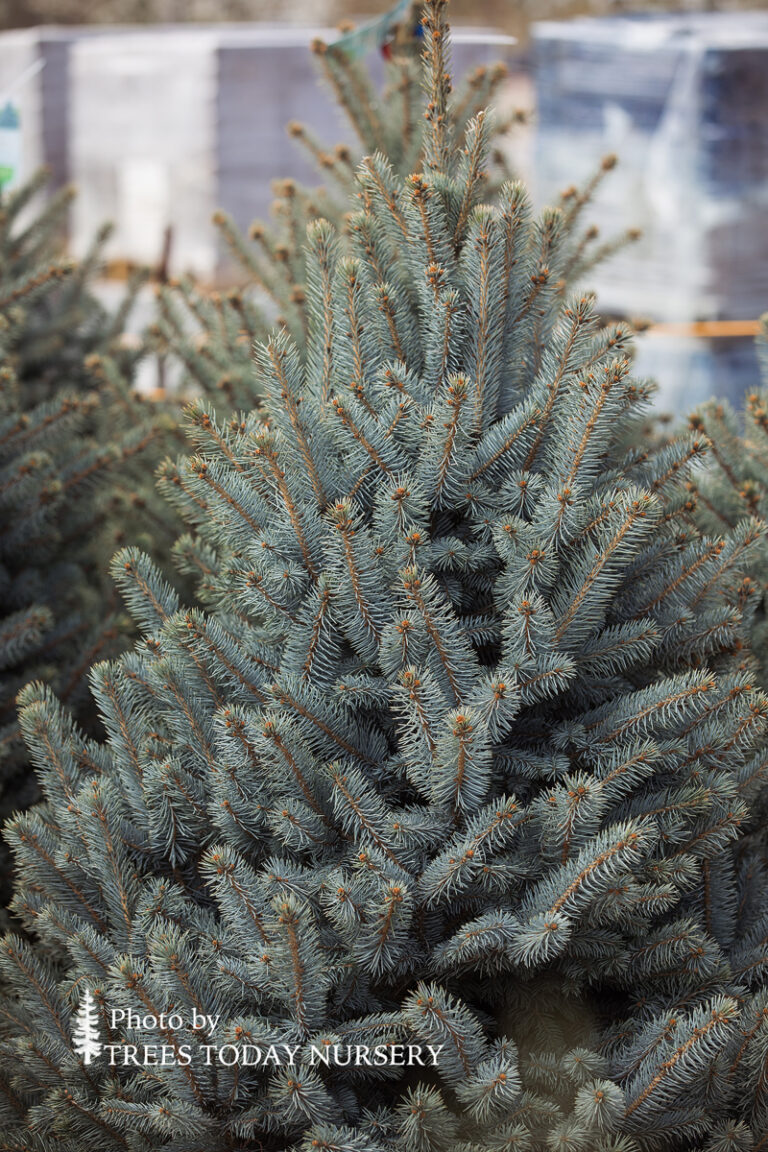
<point x="683" y="101"/>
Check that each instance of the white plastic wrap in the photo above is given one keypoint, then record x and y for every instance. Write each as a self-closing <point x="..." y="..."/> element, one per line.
<point x="683" y="101"/>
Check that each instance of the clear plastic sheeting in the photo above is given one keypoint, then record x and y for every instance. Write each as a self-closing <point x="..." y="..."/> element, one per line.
<point x="683" y="101"/>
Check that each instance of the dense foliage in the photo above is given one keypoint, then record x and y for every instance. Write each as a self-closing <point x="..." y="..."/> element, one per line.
<point x="75" y="449"/>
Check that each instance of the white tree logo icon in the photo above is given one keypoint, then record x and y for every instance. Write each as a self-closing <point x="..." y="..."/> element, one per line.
<point x="85" y="1037"/>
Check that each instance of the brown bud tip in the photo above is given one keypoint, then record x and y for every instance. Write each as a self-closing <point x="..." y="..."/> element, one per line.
<point x="318" y="46"/>
<point x="294" y="128"/>
<point x="634" y="233"/>
<point x="256" y="231"/>
<point x="344" y="27"/>
<point x="609" y="161"/>
<point x="218" y="217"/>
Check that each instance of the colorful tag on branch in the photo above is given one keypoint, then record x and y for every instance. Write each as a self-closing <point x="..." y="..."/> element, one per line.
<point x="374" y="34"/>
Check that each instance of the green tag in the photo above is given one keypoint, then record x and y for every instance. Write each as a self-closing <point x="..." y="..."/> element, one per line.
<point x="6" y="174"/>
<point x="373" y="33"/>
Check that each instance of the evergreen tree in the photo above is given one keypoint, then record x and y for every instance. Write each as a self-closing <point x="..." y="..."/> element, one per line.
<point x="75" y="445"/>
<point x="458" y="751"/>
<point x="735" y="483"/>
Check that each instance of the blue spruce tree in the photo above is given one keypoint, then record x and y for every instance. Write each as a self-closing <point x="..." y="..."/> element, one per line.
<point x="460" y="748"/>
